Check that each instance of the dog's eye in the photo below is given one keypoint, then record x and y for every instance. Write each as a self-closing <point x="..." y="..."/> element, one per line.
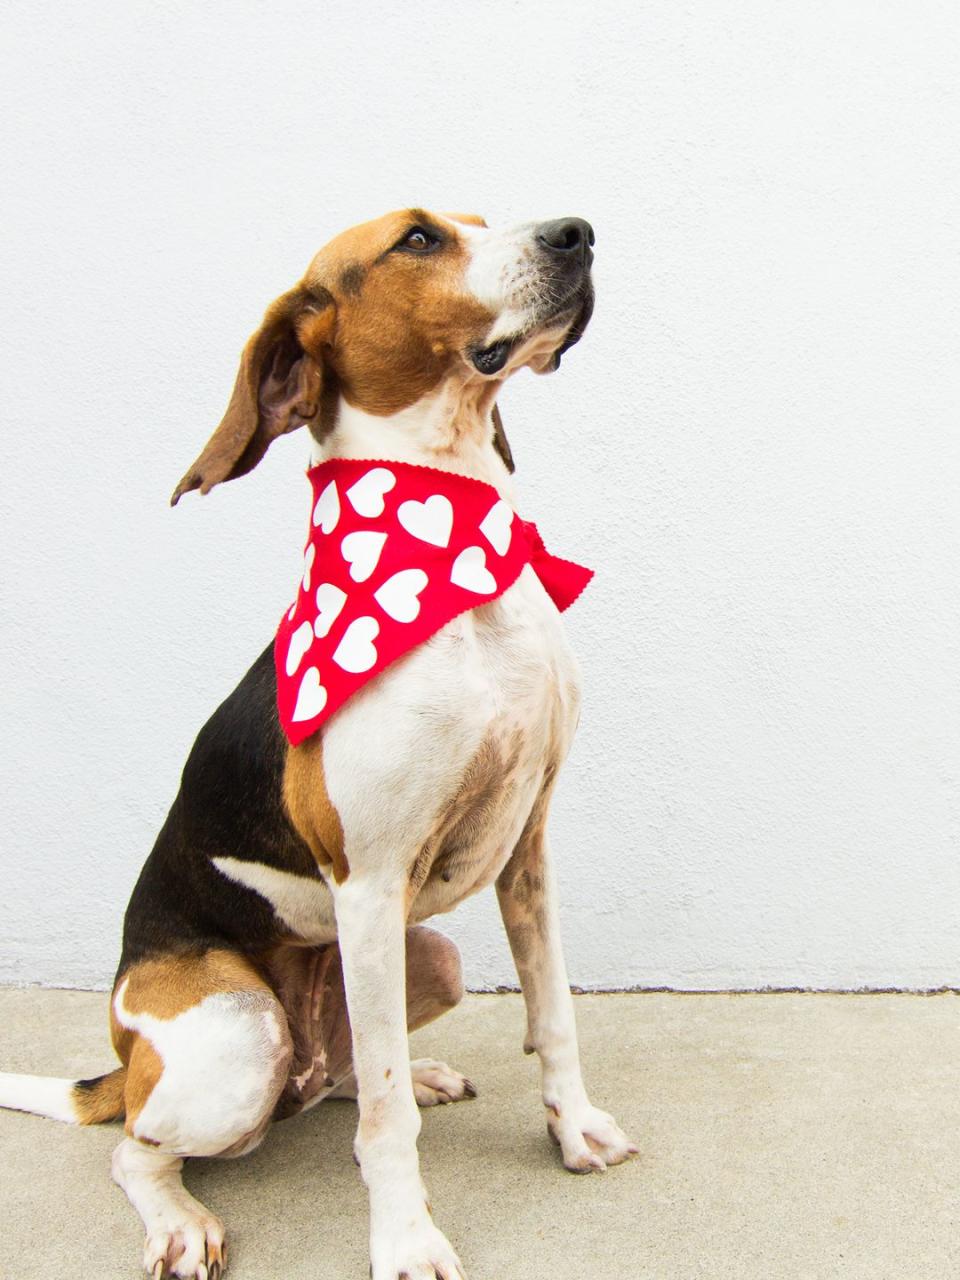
<point x="417" y="240"/>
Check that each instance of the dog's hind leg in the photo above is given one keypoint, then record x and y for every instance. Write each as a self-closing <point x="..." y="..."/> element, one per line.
<point x="206" y="1047"/>
<point x="434" y="986"/>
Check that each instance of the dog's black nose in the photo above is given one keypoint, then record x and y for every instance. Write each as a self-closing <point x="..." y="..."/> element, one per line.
<point x="566" y="235"/>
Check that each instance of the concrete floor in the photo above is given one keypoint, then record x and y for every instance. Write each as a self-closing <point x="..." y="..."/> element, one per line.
<point x="797" y="1136"/>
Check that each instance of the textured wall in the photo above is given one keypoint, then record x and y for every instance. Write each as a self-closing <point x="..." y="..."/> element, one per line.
<point x="757" y="443"/>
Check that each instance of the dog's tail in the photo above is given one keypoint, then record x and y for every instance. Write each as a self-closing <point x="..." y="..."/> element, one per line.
<point x="74" y="1101"/>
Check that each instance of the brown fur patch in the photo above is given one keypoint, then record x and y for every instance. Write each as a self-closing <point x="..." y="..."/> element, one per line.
<point x="95" y="1101"/>
<point x="522" y="875"/>
<point x="413" y="306"/>
<point x="487" y="783"/>
<point x="170" y="985"/>
<point x="521" y="942"/>
<point x="527" y="886"/>
<point x="480" y="788"/>
<point x="144" y="1070"/>
<point x="521" y="884"/>
<point x="279" y="386"/>
<point x="310" y="809"/>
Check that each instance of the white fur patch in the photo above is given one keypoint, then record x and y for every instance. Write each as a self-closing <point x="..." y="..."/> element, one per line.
<point x="41" y="1095"/>
<point x="303" y="905"/>
<point x="221" y="1060"/>
<point x="506" y="275"/>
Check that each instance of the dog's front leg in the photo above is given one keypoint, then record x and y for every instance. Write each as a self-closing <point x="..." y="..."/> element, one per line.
<point x="371" y="924"/>
<point x="588" y="1138"/>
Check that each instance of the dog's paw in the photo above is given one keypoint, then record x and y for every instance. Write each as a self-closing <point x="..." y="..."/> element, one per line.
<point x="190" y="1249"/>
<point x="419" y="1253"/>
<point x="435" y="1083"/>
<point x="588" y="1138"/>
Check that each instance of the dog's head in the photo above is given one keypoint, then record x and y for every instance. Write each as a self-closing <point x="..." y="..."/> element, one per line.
<point x="390" y="310"/>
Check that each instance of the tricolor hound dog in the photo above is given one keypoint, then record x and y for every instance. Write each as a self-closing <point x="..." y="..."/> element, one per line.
<point x="287" y="886"/>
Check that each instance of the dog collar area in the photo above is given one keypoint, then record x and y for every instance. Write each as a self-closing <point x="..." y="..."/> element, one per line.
<point x="394" y="552"/>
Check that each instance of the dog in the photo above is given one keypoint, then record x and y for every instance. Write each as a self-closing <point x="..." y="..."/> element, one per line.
<point x="273" y="948"/>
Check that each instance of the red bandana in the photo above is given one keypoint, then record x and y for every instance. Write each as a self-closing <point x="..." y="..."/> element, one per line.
<point x="395" y="551"/>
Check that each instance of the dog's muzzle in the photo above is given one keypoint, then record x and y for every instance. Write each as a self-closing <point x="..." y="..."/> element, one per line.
<point x="565" y="248"/>
<point x="568" y="244"/>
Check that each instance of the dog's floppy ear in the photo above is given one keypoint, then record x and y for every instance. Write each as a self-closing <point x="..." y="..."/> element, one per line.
<point x="278" y="389"/>
<point x="500" y="441"/>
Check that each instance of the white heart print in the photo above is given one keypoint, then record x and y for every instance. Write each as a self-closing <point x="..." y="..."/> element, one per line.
<point x="361" y="550"/>
<point x="300" y="642"/>
<point x="470" y="571"/>
<point x="399" y="595"/>
<point x="366" y="496"/>
<point x="356" y="651"/>
<point x="330" y="602"/>
<point x="326" y="513"/>
<point x="430" y="521"/>
<point x="308" y="558"/>
<point x="496" y="526"/>
<point x="312" y="697"/>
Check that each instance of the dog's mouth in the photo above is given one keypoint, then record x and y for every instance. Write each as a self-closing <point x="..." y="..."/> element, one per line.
<point x="490" y="360"/>
<point x="568" y="317"/>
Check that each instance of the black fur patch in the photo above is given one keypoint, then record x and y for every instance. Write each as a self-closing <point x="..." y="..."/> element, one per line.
<point x="88" y="1086"/>
<point x="230" y="804"/>
<point x="352" y="278"/>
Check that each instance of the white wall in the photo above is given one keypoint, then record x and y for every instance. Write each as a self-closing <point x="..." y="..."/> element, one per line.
<point x="756" y="445"/>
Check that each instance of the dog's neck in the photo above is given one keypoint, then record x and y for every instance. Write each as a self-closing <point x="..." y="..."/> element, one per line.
<point x="451" y="429"/>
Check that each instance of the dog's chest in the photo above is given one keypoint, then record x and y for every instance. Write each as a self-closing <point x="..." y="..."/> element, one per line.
<point x="519" y="699"/>
<point x="434" y="767"/>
